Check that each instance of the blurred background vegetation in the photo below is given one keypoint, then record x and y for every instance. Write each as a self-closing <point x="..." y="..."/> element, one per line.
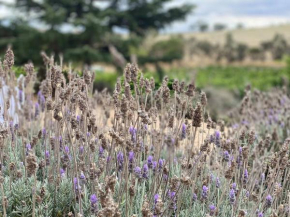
<point x="104" y="36"/>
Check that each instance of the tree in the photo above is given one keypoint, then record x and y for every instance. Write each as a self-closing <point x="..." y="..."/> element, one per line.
<point x="240" y="26"/>
<point x="219" y="27"/>
<point x="81" y="29"/>
<point x="200" y="26"/>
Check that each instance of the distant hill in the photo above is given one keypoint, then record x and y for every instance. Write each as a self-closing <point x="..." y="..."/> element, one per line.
<point x="252" y="36"/>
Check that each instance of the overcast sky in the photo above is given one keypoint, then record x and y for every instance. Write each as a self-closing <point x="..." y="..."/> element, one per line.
<point x="252" y="13"/>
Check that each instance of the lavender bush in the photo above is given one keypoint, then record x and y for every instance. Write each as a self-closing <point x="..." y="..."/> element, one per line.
<point x="144" y="151"/>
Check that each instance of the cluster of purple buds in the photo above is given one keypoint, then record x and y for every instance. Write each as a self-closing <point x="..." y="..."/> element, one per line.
<point x="20" y="96"/>
<point x="62" y="172"/>
<point x="82" y="179"/>
<point x="28" y="148"/>
<point x="150" y="161"/>
<point x="240" y="157"/>
<point x="246" y="176"/>
<point x="81" y="150"/>
<point x="156" y="196"/>
<point x="183" y="131"/>
<point x="120" y="161"/>
<point x="131" y="161"/>
<point x="232" y="196"/>
<point x="145" y="171"/>
<point x="66" y="150"/>
<point x="77" y="186"/>
<point x="218" y="182"/>
<point x="173" y="199"/>
<point x="234" y="186"/>
<point x="269" y="201"/>
<point x="137" y="172"/>
<point x="204" y="192"/>
<point x="101" y="152"/>
<point x="94" y="203"/>
<point x="43" y="133"/>
<point x="133" y="132"/>
<point x="47" y="157"/>
<point x="194" y="197"/>
<point x="226" y="156"/>
<point x="160" y="164"/>
<point x="154" y="166"/>
<point x="212" y="210"/>
<point x="36" y="110"/>
<point x="217" y="138"/>
<point x="42" y="103"/>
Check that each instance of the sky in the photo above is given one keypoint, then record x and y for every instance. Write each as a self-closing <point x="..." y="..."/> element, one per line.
<point x="251" y="13"/>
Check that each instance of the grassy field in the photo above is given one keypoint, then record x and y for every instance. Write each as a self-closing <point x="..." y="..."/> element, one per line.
<point x="252" y="37"/>
<point x="232" y="78"/>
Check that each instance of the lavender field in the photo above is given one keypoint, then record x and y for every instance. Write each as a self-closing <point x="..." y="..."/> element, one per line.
<point x="141" y="151"/>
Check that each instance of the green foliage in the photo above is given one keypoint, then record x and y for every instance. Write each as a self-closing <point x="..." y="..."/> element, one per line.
<point x="165" y="51"/>
<point x="81" y="30"/>
<point x="219" y="27"/>
<point x="235" y="78"/>
<point x="105" y="80"/>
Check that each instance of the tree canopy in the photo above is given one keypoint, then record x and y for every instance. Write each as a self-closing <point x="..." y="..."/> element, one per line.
<point x="83" y="30"/>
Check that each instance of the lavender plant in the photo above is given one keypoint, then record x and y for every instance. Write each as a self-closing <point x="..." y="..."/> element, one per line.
<point x="142" y="151"/>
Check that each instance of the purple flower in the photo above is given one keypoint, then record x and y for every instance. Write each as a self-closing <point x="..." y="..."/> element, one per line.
<point x="101" y="151"/>
<point x="217" y="138"/>
<point x="36" y="109"/>
<point x="145" y="171"/>
<point x="183" y="131"/>
<point x="137" y="172"/>
<point x="226" y="156"/>
<point x="234" y="186"/>
<point x="269" y="201"/>
<point x="20" y="96"/>
<point x="62" y="172"/>
<point x="131" y="156"/>
<point x="154" y="166"/>
<point x="47" y="155"/>
<point x="94" y="205"/>
<point x="217" y="135"/>
<point x="204" y="192"/>
<point x="260" y="214"/>
<point x="218" y="182"/>
<point x="194" y="197"/>
<point x="133" y="132"/>
<point x="246" y="175"/>
<point x="66" y="149"/>
<point x="120" y="160"/>
<point x="212" y="210"/>
<point x="93" y="199"/>
<point x="77" y="187"/>
<point x="211" y="177"/>
<point x="43" y="132"/>
<point x="28" y="148"/>
<point x="82" y="176"/>
<point x="160" y="164"/>
<point x="173" y="199"/>
<point x="81" y="149"/>
<point x="150" y="161"/>
<point x="156" y="196"/>
<point x="42" y="103"/>
<point x="131" y="161"/>
<point x="232" y="196"/>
